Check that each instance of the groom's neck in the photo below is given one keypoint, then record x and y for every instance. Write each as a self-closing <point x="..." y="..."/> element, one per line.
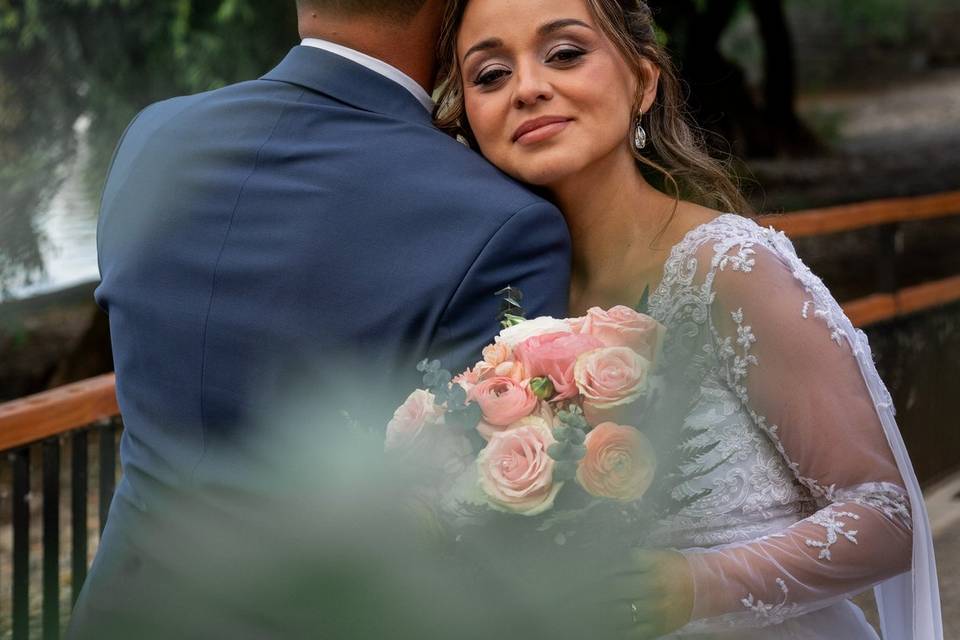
<point x="409" y="47"/>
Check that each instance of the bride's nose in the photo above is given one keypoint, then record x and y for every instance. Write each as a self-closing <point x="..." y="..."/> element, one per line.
<point x="531" y="87"/>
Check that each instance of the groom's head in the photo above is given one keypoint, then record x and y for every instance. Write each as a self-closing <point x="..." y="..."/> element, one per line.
<point x="403" y="33"/>
<point x="387" y="9"/>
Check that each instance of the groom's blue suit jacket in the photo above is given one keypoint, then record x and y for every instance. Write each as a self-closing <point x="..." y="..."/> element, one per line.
<point x="272" y="234"/>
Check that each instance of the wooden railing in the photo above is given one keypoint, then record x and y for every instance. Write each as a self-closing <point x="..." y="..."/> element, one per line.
<point x="889" y="301"/>
<point x="70" y="413"/>
<point x="50" y="421"/>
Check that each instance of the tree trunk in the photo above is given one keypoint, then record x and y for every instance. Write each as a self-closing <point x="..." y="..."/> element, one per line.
<point x="720" y="100"/>
<point x="779" y="88"/>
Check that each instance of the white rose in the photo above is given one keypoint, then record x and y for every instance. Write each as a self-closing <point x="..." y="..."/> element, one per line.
<point x="512" y="336"/>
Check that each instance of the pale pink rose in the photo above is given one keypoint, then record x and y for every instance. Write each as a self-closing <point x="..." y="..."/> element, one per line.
<point x="610" y="378"/>
<point x="487" y="430"/>
<point x="515" y="471"/>
<point x="554" y="355"/>
<point x="623" y="327"/>
<point x="417" y="431"/>
<point x="418" y="414"/>
<point x="497" y="353"/>
<point x="620" y="463"/>
<point x="512" y="336"/>
<point x="503" y="400"/>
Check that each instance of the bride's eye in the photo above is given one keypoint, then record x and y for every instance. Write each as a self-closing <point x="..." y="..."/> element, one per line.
<point x="566" y="55"/>
<point x="490" y="76"/>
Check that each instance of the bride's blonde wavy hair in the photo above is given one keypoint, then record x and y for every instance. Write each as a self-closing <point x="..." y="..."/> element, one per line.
<point x="676" y="159"/>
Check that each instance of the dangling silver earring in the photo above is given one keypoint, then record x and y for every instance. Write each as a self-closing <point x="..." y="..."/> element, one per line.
<point x="639" y="135"/>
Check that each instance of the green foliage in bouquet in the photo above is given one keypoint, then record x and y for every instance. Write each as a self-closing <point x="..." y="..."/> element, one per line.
<point x="569" y="448"/>
<point x="460" y="414"/>
<point x="511" y="306"/>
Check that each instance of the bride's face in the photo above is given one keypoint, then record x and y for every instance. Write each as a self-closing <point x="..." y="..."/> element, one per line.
<point x="546" y="93"/>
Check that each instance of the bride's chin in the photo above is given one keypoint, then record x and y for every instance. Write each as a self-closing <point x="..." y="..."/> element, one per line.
<point x="544" y="174"/>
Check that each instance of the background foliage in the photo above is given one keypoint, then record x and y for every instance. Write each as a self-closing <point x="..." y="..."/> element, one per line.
<point x="107" y="59"/>
<point x="104" y="60"/>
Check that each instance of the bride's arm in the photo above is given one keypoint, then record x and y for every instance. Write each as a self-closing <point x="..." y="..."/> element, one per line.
<point x="793" y="369"/>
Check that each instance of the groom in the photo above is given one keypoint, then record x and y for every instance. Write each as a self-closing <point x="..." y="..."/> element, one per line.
<point x="310" y="229"/>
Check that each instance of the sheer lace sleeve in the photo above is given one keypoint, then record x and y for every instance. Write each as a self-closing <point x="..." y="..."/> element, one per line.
<point x="787" y="358"/>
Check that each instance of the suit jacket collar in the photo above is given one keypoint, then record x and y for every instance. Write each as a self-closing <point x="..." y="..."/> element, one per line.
<point x="344" y="80"/>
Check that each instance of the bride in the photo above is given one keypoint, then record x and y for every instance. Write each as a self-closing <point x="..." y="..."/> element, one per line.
<point x="815" y="499"/>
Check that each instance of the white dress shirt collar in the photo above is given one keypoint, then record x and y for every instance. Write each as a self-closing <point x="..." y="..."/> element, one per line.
<point x="381" y="67"/>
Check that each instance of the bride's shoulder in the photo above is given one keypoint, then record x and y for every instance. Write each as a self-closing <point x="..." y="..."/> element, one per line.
<point x="724" y="235"/>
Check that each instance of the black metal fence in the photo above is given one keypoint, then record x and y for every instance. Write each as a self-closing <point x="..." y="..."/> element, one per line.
<point x="39" y="561"/>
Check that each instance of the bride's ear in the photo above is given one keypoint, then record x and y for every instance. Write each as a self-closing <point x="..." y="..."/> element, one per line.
<point x="650" y="79"/>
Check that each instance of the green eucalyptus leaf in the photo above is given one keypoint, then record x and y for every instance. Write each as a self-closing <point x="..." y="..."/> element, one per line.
<point x="559" y="451"/>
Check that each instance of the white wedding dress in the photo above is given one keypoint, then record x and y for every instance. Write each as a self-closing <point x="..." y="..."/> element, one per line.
<point x="814" y="499"/>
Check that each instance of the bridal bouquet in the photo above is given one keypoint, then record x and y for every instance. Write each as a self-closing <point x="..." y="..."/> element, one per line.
<point x="552" y="410"/>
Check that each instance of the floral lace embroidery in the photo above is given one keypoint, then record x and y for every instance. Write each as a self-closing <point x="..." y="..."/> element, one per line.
<point x="761" y="485"/>
<point x="771" y="613"/>
<point x="829" y="519"/>
<point x="888" y="499"/>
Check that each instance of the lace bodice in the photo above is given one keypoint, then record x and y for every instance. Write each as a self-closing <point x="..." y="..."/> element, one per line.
<point x="806" y="504"/>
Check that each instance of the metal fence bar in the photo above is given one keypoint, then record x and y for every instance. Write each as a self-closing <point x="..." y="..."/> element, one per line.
<point x="51" y="539"/>
<point x="21" y="544"/>
<point x="108" y="469"/>
<point x="78" y="512"/>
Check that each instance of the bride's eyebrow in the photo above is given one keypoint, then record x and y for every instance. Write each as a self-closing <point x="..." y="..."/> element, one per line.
<point x="556" y="25"/>
<point x="485" y="45"/>
<point x="543" y="31"/>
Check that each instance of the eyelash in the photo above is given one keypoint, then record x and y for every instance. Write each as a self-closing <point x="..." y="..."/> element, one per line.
<point x="490" y="77"/>
<point x="577" y="54"/>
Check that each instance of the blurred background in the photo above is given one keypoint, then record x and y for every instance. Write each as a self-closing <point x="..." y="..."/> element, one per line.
<point x="820" y="102"/>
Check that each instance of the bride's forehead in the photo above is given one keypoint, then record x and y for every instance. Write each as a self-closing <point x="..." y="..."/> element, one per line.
<point x="485" y="18"/>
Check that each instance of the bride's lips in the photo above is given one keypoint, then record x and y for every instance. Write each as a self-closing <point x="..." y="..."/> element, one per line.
<point x="540" y="129"/>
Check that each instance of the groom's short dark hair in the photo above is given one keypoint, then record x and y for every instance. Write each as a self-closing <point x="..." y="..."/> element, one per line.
<point x="388" y="8"/>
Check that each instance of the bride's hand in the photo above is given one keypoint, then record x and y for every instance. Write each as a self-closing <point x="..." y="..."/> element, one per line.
<point x="653" y="594"/>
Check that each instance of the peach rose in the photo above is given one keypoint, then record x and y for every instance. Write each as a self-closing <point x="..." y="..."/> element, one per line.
<point x="472" y="377"/>
<point x="417" y="431"/>
<point x="503" y="400"/>
<point x="623" y="327"/>
<point x="512" y="370"/>
<point x="554" y="355"/>
<point x="576" y="324"/>
<point x="497" y="353"/>
<point x="515" y="471"/>
<point x="620" y="463"/>
<point x="487" y="430"/>
<point x="609" y="378"/>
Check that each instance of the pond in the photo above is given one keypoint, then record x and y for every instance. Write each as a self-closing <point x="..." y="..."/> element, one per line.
<point x="68" y="225"/>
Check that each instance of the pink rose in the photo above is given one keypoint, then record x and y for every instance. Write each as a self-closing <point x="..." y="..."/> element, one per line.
<point x="554" y="355"/>
<point x="417" y="431"/>
<point x="623" y="327"/>
<point x="515" y="471"/>
<point x="610" y="378"/>
<point x="503" y="400"/>
<point x="620" y="463"/>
